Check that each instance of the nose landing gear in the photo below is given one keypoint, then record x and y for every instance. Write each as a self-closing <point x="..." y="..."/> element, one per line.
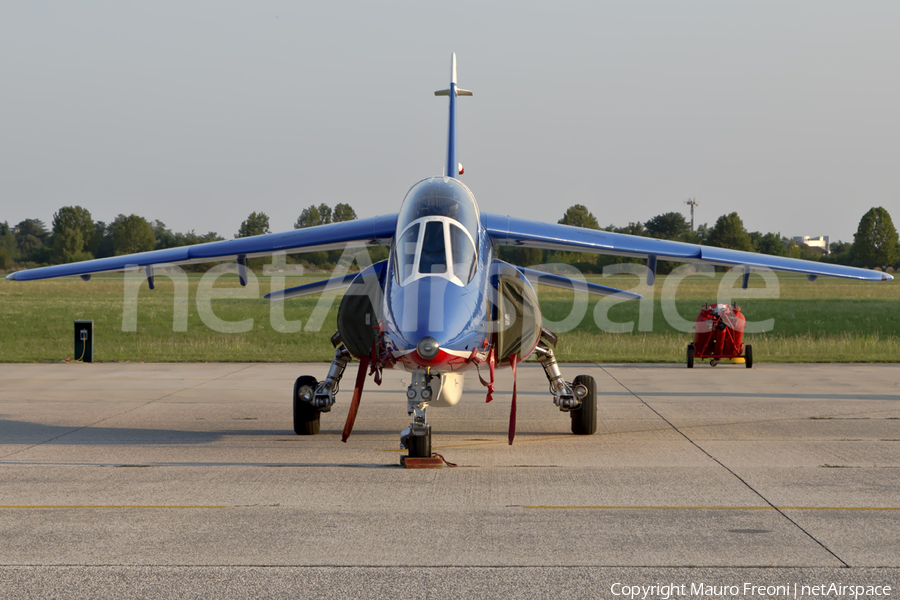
<point x="417" y="437"/>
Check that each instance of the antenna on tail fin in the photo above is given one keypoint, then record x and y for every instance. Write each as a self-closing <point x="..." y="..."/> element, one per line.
<point x="452" y="168"/>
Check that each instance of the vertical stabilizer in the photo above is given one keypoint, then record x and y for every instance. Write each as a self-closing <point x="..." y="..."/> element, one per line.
<point x="451" y="169"/>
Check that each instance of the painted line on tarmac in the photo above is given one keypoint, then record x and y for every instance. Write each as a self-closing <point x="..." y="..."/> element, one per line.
<point x="534" y="507"/>
<point x="494" y="443"/>
<point x="506" y="442"/>
<point x="828" y="417"/>
<point x="58" y="506"/>
<point x="573" y="507"/>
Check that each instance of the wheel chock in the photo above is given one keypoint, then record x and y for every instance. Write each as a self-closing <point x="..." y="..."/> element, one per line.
<point x="435" y="461"/>
<point x="410" y="462"/>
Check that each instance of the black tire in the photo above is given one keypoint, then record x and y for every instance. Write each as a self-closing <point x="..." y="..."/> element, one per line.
<point x="713" y="362"/>
<point x="306" y="417"/>
<point x="419" y="445"/>
<point x="690" y="356"/>
<point x="584" y="419"/>
<point x="748" y="356"/>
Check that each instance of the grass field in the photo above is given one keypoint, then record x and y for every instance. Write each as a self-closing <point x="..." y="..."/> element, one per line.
<point x="830" y="320"/>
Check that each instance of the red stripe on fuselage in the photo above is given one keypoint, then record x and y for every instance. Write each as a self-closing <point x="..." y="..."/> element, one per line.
<point x="444" y="361"/>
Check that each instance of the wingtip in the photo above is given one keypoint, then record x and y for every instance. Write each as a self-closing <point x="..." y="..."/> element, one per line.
<point x="11" y="277"/>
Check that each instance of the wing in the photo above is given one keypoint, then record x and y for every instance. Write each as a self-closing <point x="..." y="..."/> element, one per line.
<point x="567" y="283"/>
<point x="510" y="231"/>
<point x="376" y="231"/>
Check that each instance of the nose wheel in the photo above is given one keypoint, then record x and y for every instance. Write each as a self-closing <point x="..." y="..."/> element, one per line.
<point x="419" y="446"/>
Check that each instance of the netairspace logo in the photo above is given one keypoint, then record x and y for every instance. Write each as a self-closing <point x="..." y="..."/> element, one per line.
<point x="665" y="591"/>
<point x="357" y="252"/>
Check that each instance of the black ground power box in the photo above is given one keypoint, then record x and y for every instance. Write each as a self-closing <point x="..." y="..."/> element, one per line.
<point x="84" y="341"/>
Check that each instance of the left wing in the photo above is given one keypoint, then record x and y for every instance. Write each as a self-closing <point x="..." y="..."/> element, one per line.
<point x="510" y="231"/>
<point x="376" y="231"/>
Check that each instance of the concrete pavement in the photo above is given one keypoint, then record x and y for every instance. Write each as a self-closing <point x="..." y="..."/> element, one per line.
<point x="147" y="476"/>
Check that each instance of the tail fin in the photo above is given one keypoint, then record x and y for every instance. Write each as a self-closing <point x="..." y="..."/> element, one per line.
<point x="452" y="167"/>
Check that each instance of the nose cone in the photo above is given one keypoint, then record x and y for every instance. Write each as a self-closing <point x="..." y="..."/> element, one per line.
<point x="429" y="354"/>
<point x="428" y="348"/>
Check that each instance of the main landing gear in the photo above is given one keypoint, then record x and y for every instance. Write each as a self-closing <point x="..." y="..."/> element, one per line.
<point x="578" y="398"/>
<point x="306" y="416"/>
<point x="312" y="398"/>
<point x="417" y="437"/>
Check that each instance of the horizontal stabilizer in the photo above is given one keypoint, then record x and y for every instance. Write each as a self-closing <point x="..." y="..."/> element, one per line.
<point x="459" y="92"/>
<point x="329" y="285"/>
<point x="567" y="283"/>
<point x="335" y="283"/>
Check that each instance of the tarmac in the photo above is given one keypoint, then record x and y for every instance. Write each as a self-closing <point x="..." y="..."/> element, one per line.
<point x="126" y="480"/>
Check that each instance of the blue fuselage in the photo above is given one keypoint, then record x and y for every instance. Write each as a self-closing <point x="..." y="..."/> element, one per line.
<point x="437" y="283"/>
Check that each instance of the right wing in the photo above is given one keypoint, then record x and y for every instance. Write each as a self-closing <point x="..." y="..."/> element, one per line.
<point x="512" y="231"/>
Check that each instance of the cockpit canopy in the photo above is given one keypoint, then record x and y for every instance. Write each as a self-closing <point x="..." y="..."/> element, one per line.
<point x="436" y="232"/>
<point x="440" y="197"/>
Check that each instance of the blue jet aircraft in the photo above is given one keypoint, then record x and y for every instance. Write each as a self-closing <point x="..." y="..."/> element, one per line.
<point x="441" y="304"/>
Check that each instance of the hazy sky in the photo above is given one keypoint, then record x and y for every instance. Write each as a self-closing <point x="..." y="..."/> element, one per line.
<point x="197" y="113"/>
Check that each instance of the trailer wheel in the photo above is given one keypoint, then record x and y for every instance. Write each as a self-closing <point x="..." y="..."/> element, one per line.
<point x="748" y="356"/>
<point x="690" y="356"/>
<point x="713" y="362"/>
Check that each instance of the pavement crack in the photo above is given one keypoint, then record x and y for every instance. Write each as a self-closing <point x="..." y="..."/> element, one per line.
<point x="724" y="466"/>
<point x="124" y="412"/>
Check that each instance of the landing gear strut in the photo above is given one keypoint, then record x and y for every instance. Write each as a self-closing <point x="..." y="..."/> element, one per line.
<point x="417" y="437"/>
<point x="578" y="398"/>
<point x="312" y="398"/>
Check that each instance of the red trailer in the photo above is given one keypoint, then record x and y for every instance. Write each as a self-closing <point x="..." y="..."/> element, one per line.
<point x="719" y="335"/>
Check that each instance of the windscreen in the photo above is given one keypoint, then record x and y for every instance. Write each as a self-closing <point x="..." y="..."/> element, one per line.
<point x="435" y="246"/>
<point x="406" y="252"/>
<point x="462" y="253"/>
<point x="436" y="232"/>
<point x="434" y="252"/>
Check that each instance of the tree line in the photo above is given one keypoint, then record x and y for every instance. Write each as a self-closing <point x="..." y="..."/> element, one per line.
<point x="257" y="223"/>
<point x="74" y="236"/>
<point x="875" y="244"/>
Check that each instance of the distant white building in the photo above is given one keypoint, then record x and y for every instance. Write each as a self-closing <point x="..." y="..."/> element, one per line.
<point x="821" y="241"/>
